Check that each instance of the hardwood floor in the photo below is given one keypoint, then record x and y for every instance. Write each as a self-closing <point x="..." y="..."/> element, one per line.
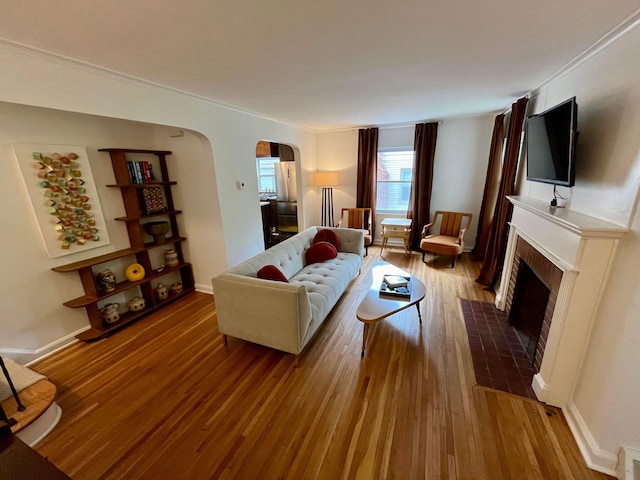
<point x="164" y="398"/>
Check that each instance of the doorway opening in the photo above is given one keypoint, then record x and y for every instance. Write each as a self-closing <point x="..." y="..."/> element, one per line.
<point x="277" y="190"/>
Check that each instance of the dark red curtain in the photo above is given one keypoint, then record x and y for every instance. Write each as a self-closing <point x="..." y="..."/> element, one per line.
<point x="497" y="237"/>
<point x="491" y="188"/>
<point x="424" y="146"/>
<point x="367" y="172"/>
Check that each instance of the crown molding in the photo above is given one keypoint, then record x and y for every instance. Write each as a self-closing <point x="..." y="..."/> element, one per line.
<point x="52" y="57"/>
<point x="613" y="35"/>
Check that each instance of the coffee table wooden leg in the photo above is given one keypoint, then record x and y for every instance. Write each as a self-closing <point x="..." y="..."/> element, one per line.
<point x="364" y="338"/>
<point x="419" y="314"/>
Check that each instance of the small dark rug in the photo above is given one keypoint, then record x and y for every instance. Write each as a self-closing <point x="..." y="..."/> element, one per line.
<point x="499" y="359"/>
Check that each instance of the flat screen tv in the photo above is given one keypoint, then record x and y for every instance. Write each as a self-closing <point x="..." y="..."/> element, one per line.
<point x="551" y="141"/>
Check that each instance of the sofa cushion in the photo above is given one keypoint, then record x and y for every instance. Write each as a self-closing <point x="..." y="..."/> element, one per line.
<point x="326" y="235"/>
<point x="325" y="282"/>
<point x="271" y="272"/>
<point x="319" y="252"/>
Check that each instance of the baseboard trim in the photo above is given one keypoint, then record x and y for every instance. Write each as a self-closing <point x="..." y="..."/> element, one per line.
<point x="27" y="356"/>
<point x="204" y="288"/>
<point x="540" y="387"/>
<point x="596" y="459"/>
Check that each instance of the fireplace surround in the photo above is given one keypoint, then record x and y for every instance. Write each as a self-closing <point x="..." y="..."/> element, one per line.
<point x="576" y="252"/>
<point x="530" y="265"/>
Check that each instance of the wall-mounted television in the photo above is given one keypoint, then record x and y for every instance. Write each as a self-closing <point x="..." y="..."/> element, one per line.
<point x="551" y="143"/>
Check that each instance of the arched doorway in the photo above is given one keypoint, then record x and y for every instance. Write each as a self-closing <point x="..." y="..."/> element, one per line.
<point x="277" y="189"/>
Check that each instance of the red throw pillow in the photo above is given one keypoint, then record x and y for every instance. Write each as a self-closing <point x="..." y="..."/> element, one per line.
<point x="271" y="272"/>
<point x="326" y="235"/>
<point x="319" y="252"/>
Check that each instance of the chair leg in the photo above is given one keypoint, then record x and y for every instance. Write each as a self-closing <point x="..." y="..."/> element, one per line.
<point x="366" y="250"/>
<point x="423" y="257"/>
<point x="453" y="261"/>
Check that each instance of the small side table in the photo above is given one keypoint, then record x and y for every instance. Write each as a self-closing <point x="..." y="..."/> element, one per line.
<point x="396" y="228"/>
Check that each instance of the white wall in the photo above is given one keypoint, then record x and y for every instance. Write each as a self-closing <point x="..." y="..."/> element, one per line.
<point x="607" y="87"/>
<point x="223" y="223"/>
<point x="30" y="293"/>
<point x="460" y="168"/>
<point x="462" y="152"/>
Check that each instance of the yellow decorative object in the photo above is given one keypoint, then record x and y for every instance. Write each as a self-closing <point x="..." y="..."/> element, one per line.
<point x="134" y="272"/>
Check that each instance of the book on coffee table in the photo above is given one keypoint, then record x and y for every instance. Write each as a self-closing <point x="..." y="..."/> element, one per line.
<point x="395" y="281"/>
<point x="402" y="288"/>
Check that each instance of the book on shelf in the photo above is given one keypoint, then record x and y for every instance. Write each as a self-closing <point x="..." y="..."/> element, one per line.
<point x="140" y="172"/>
<point x="146" y="172"/>
<point x="132" y="172"/>
<point x="403" y="291"/>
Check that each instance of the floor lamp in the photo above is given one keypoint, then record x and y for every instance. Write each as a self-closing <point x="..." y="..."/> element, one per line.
<point x="326" y="180"/>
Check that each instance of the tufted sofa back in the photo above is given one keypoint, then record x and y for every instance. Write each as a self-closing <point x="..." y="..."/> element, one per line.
<point x="288" y="256"/>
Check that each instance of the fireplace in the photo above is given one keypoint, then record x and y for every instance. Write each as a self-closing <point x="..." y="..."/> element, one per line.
<point x="531" y="299"/>
<point x="571" y="255"/>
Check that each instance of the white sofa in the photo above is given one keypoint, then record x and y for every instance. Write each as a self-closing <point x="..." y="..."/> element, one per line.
<point x="281" y="315"/>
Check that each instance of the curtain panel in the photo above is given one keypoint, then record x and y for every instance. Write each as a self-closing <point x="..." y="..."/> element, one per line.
<point x="424" y="146"/>
<point x="497" y="237"/>
<point x="491" y="187"/>
<point x="366" y="188"/>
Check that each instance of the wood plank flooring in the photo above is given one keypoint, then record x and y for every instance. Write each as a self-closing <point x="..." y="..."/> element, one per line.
<point x="165" y="399"/>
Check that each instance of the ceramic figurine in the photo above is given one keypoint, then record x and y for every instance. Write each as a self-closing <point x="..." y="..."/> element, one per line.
<point x="162" y="292"/>
<point x="136" y="304"/>
<point x="171" y="257"/>
<point x="176" y="288"/>
<point x="110" y="312"/>
<point x="106" y="281"/>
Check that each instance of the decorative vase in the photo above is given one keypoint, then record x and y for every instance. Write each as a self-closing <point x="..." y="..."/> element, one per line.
<point x="157" y="230"/>
<point x="171" y="258"/>
<point x="176" y="288"/>
<point x="106" y="281"/>
<point x="161" y="291"/>
<point x="109" y="313"/>
<point x="136" y="304"/>
<point x="134" y="272"/>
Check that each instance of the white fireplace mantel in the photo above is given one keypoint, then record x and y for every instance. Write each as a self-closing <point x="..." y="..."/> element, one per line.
<point x="583" y="248"/>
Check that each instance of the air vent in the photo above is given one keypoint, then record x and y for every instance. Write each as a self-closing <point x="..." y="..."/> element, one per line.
<point x="628" y="464"/>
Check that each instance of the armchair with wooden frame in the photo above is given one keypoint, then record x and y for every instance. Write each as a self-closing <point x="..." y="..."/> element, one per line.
<point x="359" y="218"/>
<point x="450" y="239"/>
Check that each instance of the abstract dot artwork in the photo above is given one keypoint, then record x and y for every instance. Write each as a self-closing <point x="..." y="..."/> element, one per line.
<point x="63" y="197"/>
<point x="63" y="188"/>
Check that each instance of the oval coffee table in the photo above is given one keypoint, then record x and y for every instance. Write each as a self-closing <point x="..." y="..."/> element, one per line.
<point x="375" y="307"/>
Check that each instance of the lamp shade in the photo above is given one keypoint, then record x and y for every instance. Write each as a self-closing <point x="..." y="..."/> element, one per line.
<point x="326" y="179"/>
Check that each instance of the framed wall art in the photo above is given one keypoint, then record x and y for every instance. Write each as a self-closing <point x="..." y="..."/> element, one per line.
<point x="63" y="196"/>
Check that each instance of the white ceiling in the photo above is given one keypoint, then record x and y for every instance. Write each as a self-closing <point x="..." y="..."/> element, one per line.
<point x="326" y="64"/>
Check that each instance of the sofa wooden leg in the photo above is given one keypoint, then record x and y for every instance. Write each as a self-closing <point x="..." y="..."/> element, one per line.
<point x="224" y="339"/>
<point x="296" y="361"/>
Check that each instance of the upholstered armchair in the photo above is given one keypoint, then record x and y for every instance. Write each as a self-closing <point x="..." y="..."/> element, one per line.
<point x="450" y="239"/>
<point x="358" y="218"/>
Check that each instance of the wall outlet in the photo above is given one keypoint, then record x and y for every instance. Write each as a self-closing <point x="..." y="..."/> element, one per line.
<point x="241" y="184"/>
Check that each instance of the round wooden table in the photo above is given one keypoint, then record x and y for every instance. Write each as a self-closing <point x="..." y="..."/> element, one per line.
<point x="376" y="306"/>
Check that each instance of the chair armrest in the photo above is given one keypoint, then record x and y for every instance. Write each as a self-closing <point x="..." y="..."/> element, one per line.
<point x="461" y="235"/>
<point x="425" y="229"/>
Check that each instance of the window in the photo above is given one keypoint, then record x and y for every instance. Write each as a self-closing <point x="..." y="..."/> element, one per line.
<point x="395" y="171"/>
<point x="266" y="174"/>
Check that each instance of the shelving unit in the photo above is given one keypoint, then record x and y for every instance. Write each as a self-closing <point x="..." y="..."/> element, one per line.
<point x="135" y="219"/>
